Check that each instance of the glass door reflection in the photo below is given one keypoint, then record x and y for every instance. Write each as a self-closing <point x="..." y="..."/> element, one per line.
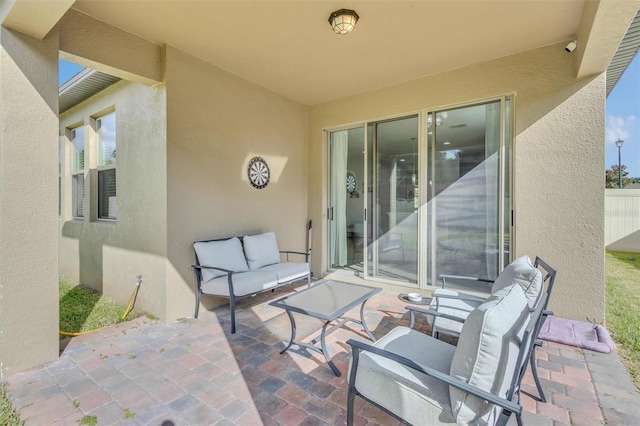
<point x="394" y="217"/>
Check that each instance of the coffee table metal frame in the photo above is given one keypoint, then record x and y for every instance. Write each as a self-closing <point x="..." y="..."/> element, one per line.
<point x="327" y="317"/>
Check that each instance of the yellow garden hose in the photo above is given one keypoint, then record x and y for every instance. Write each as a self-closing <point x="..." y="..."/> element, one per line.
<point x="132" y="300"/>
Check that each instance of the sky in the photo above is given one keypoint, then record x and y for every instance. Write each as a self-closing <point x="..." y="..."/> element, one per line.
<point x="66" y="70"/>
<point x="623" y="120"/>
<point x="622" y="115"/>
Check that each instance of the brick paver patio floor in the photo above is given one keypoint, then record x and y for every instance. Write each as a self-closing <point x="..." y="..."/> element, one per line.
<point x="194" y="372"/>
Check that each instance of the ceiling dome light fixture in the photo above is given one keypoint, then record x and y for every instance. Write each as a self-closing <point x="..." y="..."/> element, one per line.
<point x="343" y="21"/>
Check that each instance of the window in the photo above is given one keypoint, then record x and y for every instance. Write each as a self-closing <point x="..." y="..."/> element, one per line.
<point x="60" y="139"/>
<point x="106" y="161"/>
<point x="77" y="171"/>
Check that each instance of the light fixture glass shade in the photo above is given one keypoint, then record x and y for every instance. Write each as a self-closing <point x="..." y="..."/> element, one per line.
<point x="343" y="21"/>
<point x="619" y="143"/>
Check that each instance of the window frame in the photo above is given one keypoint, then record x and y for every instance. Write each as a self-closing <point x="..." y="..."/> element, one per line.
<point x="78" y="212"/>
<point x="103" y="170"/>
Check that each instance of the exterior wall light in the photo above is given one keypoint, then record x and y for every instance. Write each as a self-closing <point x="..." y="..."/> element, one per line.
<point x="343" y="21"/>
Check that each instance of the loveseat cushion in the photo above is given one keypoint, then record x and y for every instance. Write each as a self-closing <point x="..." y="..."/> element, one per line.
<point x="413" y="396"/>
<point x="521" y="271"/>
<point x="288" y="271"/>
<point x="261" y="250"/>
<point x="244" y="283"/>
<point x="487" y="348"/>
<point x="226" y="254"/>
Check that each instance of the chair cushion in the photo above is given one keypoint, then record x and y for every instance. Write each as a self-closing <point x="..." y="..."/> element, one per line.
<point x="487" y="352"/>
<point x="526" y="275"/>
<point x="225" y="254"/>
<point x="288" y="271"/>
<point x="261" y="250"/>
<point x="244" y="283"/>
<point x="451" y="306"/>
<point x="413" y="396"/>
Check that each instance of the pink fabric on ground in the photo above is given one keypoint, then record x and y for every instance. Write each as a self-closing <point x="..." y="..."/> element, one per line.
<point x="575" y="333"/>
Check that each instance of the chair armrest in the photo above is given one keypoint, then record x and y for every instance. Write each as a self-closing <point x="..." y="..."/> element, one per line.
<point x="213" y="267"/>
<point x="416" y="309"/>
<point x="467" y="297"/>
<point x="462" y="277"/>
<point x="450" y="380"/>
<point x="432" y="312"/>
<point x="199" y="268"/>
<point x="288" y="252"/>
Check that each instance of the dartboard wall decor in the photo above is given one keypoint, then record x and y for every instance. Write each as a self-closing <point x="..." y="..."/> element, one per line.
<point x="351" y="182"/>
<point x="258" y="173"/>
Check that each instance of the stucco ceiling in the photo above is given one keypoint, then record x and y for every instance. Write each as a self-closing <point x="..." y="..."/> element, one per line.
<point x="289" y="47"/>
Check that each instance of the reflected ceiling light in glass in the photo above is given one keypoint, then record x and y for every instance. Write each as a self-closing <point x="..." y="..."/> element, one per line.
<point x="343" y="21"/>
<point x="430" y="123"/>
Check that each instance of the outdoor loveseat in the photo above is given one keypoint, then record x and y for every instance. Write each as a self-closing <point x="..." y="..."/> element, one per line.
<point x="239" y="267"/>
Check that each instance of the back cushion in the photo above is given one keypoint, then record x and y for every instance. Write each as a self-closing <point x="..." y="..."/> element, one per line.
<point x="225" y="254"/>
<point x="523" y="272"/>
<point x="261" y="250"/>
<point x="487" y="351"/>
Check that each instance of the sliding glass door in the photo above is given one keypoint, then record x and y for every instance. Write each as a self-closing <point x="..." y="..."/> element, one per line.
<point x="468" y="230"/>
<point x="346" y="206"/>
<point x="394" y="218"/>
<point x="427" y="194"/>
<point x="372" y="215"/>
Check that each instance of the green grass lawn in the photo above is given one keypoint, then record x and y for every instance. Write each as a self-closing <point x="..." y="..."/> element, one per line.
<point x="83" y="309"/>
<point x="623" y="307"/>
<point x="8" y="415"/>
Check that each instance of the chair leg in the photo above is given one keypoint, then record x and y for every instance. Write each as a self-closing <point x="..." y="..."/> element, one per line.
<point x="351" y="395"/>
<point x="198" y="292"/>
<point x="534" y="371"/>
<point x="309" y="280"/>
<point x="503" y="418"/>
<point x="232" y="306"/>
<point x="350" y="402"/>
<point x="195" y="315"/>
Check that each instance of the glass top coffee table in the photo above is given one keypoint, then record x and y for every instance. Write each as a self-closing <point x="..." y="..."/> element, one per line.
<point x="327" y="300"/>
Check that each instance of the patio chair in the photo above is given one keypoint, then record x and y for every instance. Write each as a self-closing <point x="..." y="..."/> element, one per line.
<point x="454" y="307"/>
<point x="421" y="380"/>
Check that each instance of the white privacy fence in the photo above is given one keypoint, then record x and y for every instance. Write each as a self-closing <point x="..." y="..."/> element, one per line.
<point x="622" y="219"/>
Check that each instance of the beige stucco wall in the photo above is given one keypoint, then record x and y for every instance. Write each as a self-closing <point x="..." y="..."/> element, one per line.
<point x="217" y="122"/>
<point x="558" y="160"/>
<point x="97" y="45"/>
<point x="29" y="201"/>
<point x="560" y="196"/>
<point x="109" y="255"/>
